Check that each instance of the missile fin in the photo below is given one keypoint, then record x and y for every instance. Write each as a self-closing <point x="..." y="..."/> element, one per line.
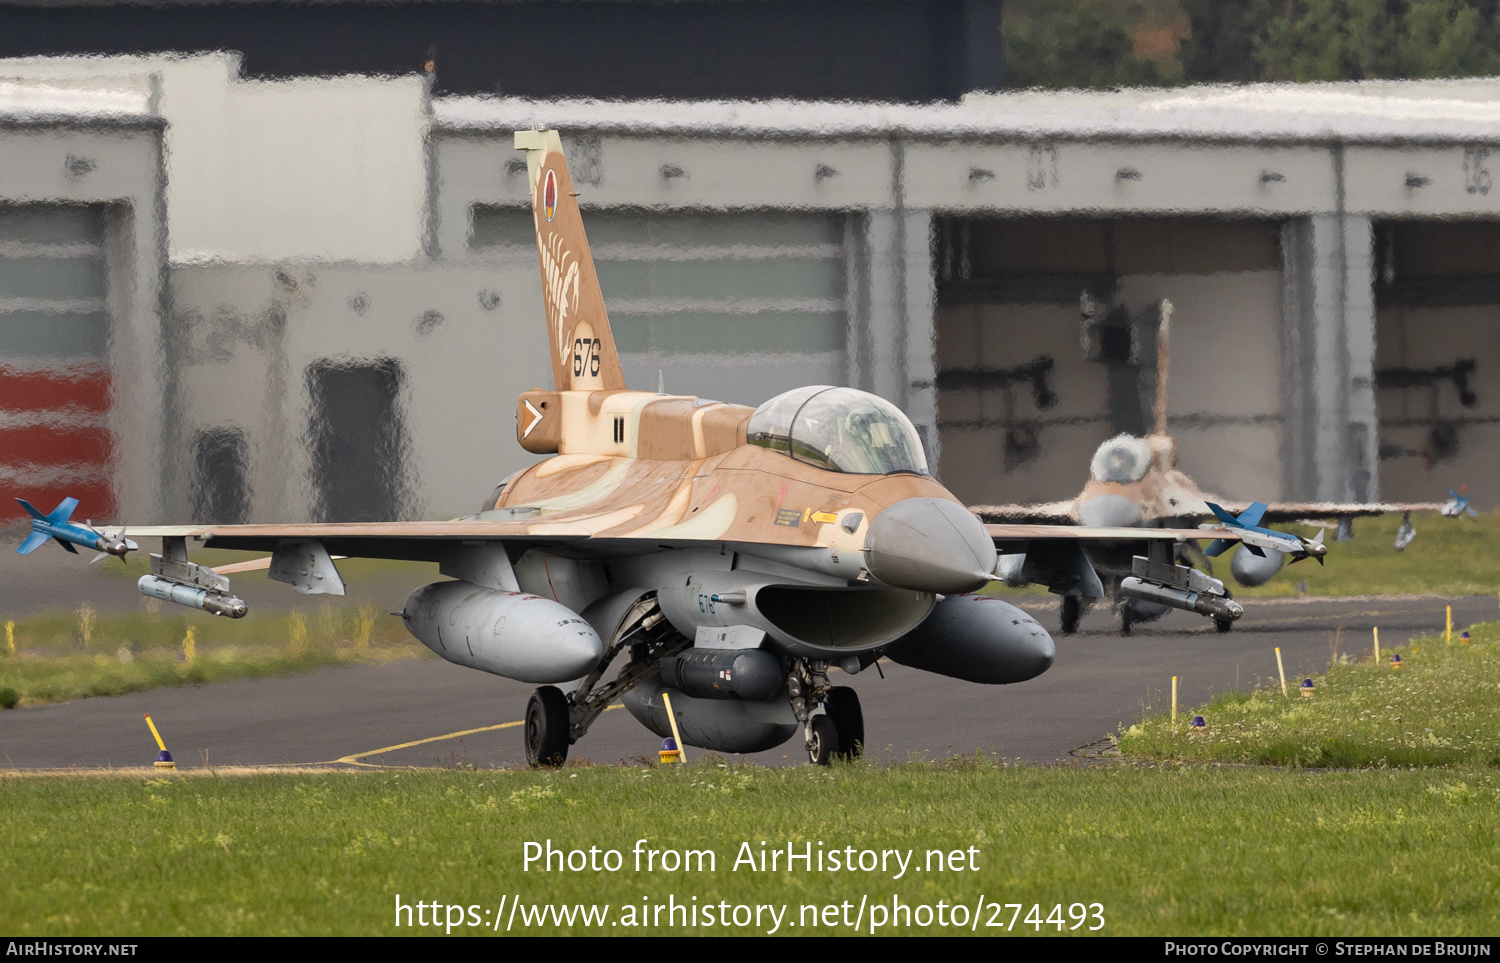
<point x="33" y="541"/>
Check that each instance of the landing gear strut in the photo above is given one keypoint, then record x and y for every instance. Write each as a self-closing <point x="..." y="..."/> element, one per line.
<point x="547" y="727"/>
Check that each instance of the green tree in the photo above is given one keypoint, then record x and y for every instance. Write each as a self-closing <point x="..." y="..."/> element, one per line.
<point x="1078" y="43"/>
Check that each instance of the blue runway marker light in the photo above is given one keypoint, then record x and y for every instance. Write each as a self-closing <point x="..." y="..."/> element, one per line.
<point x="1199" y="724"/>
<point x="1307" y="687"/>
<point x="669" y="752"/>
<point x="1395" y="661"/>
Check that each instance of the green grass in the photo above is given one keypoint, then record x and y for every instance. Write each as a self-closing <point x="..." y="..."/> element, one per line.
<point x="1164" y="851"/>
<point x="1441" y="708"/>
<point x="72" y="655"/>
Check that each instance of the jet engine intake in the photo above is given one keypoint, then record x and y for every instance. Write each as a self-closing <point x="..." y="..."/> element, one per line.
<point x="513" y="634"/>
<point x="812" y="621"/>
<point x="977" y="638"/>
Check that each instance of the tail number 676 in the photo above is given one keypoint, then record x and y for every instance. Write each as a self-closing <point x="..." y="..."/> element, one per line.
<point x="585" y="357"/>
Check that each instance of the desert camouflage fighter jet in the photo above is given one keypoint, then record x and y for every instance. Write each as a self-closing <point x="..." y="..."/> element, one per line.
<point x="1134" y="481"/>
<point x="730" y="557"/>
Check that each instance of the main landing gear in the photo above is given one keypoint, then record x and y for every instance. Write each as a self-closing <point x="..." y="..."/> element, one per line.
<point x="555" y="721"/>
<point x="547" y="727"/>
<point x="1072" y="612"/>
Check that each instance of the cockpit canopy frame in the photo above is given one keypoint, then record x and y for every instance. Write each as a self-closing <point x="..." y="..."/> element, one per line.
<point x="839" y="429"/>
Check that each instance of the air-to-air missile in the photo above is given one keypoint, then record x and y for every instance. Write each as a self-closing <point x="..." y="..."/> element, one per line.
<point x="68" y="534"/>
<point x="1257" y="539"/>
<point x="173" y="578"/>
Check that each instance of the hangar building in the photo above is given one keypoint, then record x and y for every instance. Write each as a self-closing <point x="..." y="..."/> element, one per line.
<point x="318" y="298"/>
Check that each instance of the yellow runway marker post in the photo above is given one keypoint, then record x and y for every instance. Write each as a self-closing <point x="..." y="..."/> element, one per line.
<point x="1376" y="630"/>
<point x="163" y="758"/>
<point x="676" y="736"/>
<point x="1174" y="700"/>
<point x="1280" y="670"/>
<point x="1448" y="632"/>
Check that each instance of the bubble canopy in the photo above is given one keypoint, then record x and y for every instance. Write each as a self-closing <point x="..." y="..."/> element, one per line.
<point x="839" y="429"/>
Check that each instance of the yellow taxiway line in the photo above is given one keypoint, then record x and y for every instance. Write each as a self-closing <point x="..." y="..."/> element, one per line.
<point x="354" y="759"/>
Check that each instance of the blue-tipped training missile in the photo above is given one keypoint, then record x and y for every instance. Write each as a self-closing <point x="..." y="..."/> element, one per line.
<point x="1256" y="538"/>
<point x="68" y="534"/>
<point x="1458" y="503"/>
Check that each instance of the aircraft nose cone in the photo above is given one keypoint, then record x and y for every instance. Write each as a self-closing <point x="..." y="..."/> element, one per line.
<point x="930" y="545"/>
<point x="1110" y="511"/>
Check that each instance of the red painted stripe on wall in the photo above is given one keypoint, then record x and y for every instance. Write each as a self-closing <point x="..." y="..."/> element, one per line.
<point x="42" y="445"/>
<point x="95" y="500"/>
<point x="83" y="386"/>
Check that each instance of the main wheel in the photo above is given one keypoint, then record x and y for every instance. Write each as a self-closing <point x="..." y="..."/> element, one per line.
<point x="848" y="721"/>
<point x="825" y="741"/>
<point x="546" y="728"/>
<point x="1072" y="611"/>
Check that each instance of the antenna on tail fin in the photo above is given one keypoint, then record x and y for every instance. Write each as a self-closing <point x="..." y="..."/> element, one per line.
<point x="583" y="348"/>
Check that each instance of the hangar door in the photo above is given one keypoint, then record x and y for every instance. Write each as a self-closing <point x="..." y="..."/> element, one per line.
<point x="54" y="374"/>
<point x="732" y="305"/>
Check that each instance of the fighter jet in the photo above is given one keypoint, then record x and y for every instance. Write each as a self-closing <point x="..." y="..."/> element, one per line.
<point x="44" y="528"/>
<point x="1134" y="481"/>
<point x="730" y="557"/>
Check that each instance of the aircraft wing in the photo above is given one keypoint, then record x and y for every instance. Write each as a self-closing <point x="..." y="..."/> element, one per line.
<point x="1296" y="511"/>
<point x="411" y="541"/>
<point x="1046" y="513"/>
<point x="1061" y="557"/>
<point x="1083" y="533"/>
<point x="1066" y="513"/>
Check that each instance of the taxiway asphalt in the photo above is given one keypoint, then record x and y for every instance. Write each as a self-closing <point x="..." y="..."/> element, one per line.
<point x="1100" y="681"/>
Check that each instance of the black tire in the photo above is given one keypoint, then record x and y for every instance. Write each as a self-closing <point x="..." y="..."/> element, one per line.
<point x="825" y="741"/>
<point x="547" y="728"/>
<point x="848" y="721"/>
<point x="1072" y="612"/>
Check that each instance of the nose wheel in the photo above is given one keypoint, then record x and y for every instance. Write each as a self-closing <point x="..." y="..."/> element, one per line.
<point x="839" y="731"/>
<point x="547" y="728"/>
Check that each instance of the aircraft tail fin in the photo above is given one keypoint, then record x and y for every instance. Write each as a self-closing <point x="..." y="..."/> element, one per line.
<point x="583" y="348"/>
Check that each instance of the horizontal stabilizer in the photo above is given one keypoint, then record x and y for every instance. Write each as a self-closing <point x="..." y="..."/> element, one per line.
<point x="31" y="510"/>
